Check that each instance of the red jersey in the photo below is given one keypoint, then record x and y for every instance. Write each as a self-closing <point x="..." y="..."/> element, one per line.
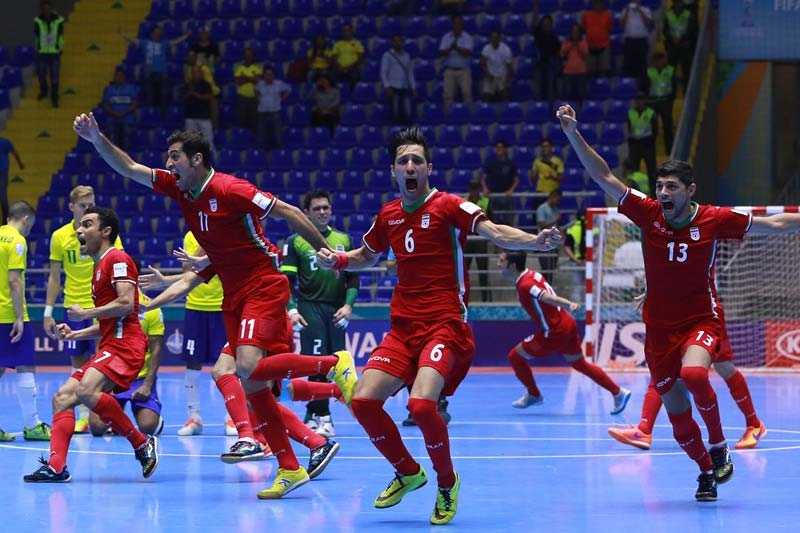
<point x="428" y="239"/>
<point x="115" y="266"/>
<point x="225" y="219"/>
<point x="531" y="286"/>
<point x="679" y="261"/>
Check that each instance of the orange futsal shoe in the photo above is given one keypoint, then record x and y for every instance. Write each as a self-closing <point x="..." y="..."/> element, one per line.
<point x="751" y="437"/>
<point x="632" y="436"/>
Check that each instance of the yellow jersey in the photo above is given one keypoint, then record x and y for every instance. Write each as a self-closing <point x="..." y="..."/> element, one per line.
<point x="13" y="256"/>
<point x="253" y="70"/>
<point x="206" y="296"/>
<point x="65" y="248"/>
<point x="548" y="172"/>
<point x="347" y="52"/>
<point x="152" y="323"/>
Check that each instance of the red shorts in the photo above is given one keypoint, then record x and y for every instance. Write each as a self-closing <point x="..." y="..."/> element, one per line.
<point x="257" y="317"/>
<point x="564" y="340"/>
<point x="118" y="360"/>
<point x="447" y="346"/>
<point x="664" y="348"/>
<point x="725" y="352"/>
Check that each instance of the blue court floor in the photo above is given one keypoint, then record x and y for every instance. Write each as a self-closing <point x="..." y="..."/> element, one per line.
<point x="547" y="468"/>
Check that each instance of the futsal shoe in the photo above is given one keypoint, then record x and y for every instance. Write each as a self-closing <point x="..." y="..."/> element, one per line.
<point x="6" y="437"/>
<point x="40" y="431"/>
<point x="706" y="488"/>
<point x="442" y="408"/>
<point x="193" y="426"/>
<point x="621" y="401"/>
<point x="147" y="455"/>
<point x="526" y="400"/>
<point x="344" y="375"/>
<point x="321" y="456"/>
<point x="632" y="436"/>
<point x="82" y="425"/>
<point x="752" y="436"/>
<point x="45" y="474"/>
<point x="243" y="450"/>
<point x="409" y="421"/>
<point x="446" y="504"/>
<point x="325" y="427"/>
<point x="723" y="466"/>
<point x="399" y="487"/>
<point x="285" y="482"/>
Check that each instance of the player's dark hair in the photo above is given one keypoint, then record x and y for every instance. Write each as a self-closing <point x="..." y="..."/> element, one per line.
<point x="192" y="142"/>
<point x="20" y="209"/>
<point x="313" y="195"/>
<point x="546" y="140"/>
<point x="518" y="258"/>
<point x="680" y="169"/>
<point x="108" y="219"/>
<point x="409" y="136"/>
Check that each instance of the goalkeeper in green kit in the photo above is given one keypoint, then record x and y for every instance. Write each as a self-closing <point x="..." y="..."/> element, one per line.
<point x="322" y="300"/>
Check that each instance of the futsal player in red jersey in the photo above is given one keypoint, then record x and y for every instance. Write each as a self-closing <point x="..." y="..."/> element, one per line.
<point x="683" y="328"/>
<point x="120" y="353"/>
<point x="224" y="213"/>
<point x="557" y="332"/>
<point x="430" y="344"/>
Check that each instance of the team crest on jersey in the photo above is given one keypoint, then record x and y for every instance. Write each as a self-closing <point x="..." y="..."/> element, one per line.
<point x="426" y="220"/>
<point x="694" y="233"/>
<point x="97" y="277"/>
<point x="212" y="203"/>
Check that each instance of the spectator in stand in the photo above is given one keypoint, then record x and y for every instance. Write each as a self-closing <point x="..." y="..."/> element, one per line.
<point x="198" y="98"/>
<point x="661" y="87"/>
<point x="397" y="77"/>
<point x="547" y="171"/>
<point x="478" y="248"/>
<point x="574" y="52"/>
<point x="548" y="214"/>
<point x="637" y="20"/>
<point x="120" y="103"/>
<point x="48" y="29"/>
<point x="6" y="148"/>
<point x="247" y="74"/>
<point x="642" y="132"/>
<point x="678" y="39"/>
<point x="208" y="75"/>
<point x="498" y="69"/>
<point x="156" y="61"/>
<point x="456" y="48"/>
<point x="348" y="55"/>
<point x="501" y="177"/>
<point x="320" y="57"/>
<point x="206" y="49"/>
<point x="271" y="95"/>
<point x="597" y="24"/>
<point x="326" y="98"/>
<point x="549" y="47"/>
<point x="635" y="178"/>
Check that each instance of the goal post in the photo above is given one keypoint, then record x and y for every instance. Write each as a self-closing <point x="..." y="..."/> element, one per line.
<point x="758" y="284"/>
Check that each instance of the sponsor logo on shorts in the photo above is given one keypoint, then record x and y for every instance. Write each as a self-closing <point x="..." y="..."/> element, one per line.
<point x="379" y="359"/>
<point x="788" y="344"/>
<point x="396" y="222"/>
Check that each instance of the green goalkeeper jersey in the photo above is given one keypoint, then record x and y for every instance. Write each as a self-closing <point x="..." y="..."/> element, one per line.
<point x="316" y="284"/>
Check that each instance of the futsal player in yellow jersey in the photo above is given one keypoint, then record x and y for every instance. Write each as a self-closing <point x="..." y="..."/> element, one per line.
<point x="143" y="393"/>
<point x="65" y="252"/>
<point x="16" y="335"/>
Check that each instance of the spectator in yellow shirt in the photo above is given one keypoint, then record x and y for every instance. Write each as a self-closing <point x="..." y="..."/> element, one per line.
<point x="348" y="54"/>
<point x="247" y="74"/>
<point x="548" y="169"/>
<point x="320" y="57"/>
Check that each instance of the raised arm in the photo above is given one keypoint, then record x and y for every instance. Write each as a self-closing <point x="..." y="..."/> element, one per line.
<point x="357" y="259"/>
<point x="300" y="223"/>
<point x="779" y="223"/>
<point x="182" y="287"/>
<point x="86" y="126"/>
<point x="594" y="164"/>
<point x="515" y="239"/>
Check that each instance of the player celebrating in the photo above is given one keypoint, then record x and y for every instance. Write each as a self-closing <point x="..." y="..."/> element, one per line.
<point x="119" y="357"/>
<point x="557" y="333"/>
<point x="64" y="251"/>
<point x="683" y="329"/>
<point x="224" y="213"/>
<point x="429" y="343"/>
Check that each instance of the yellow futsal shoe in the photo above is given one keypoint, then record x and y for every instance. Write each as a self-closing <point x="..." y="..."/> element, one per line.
<point x="446" y="504"/>
<point x="40" y="431"/>
<point x="285" y="482"/>
<point x="752" y="436"/>
<point x="399" y="487"/>
<point x="344" y="375"/>
<point x="6" y="437"/>
<point x="82" y="425"/>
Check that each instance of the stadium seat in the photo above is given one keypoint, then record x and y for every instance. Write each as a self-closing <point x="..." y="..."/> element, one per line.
<point x="624" y="89"/>
<point x="469" y="157"/>
<point x="282" y="160"/>
<point x="538" y="112"/>
<point x="484" y="113"/>
<point x="245" y="29"/>
<point x="371" y="136"/>
<point x="370" y="201"/>
<point x="449" y="136"/>
<point x="477" y="136"/>
<point x="334" y="158"/>
<point x="460" y="178"/>
<point x="609" y="153"/>
<point x="326" y="180"/>
<point x="599" y="88"/>
<point x="230" y="9"/>
<point x="443" y="158"/>
<point x="359" y="223"/>
<point x="361" y="159"/>
<point x="459" y="113"/>
<point x="281" y="50"/>
<point x="354" y="115"/>
<point x="364" y="93"/>
<point x="301" y="8"/>
<point x="48" y="206"/>
<point x="128" y="205"/>
<point x="618" y="111"/>
<point x="307" y="159"/>
<point x="326" y="8"/>
<point x="229" y="160"/>
<point x="510" y="113"/>
<point x="530" y="135"/>
<point x="272" y="180"/>
<point x="301" y="116"/>
<point x="432" y="113"/>
<point x="318" y="138"/>
<point x="344" y="202"/>
<point x="573" y="179"/>
<point x="365" y="27"/>
<point x="23" y="56"/>
<point x="61" y="183"/>
<point x="592" y="112"/>
<point x="424" y="70"/>
<point x="299" y="182"/>
<point x="612" y="134"/>
<point x="169" y="227"/>
<point x="505" y="133"/>
<point x="255" y="160"/>
<point x="516" y="25"/>
<point x="155" y="246"/>
<point x="267" y="29"/>
<point x="278" y="8"/>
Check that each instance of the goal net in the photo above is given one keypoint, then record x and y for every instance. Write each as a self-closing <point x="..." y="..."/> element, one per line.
<point x="757" y="283"/>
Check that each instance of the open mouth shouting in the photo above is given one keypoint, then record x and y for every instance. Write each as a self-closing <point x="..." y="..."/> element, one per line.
<point x="411" y="184"/>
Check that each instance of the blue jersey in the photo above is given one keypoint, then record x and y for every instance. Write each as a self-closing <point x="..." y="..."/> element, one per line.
<point x="120" y="98"/>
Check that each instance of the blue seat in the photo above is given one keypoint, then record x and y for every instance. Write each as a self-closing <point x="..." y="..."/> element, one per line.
<point x="618" y="111"/>
<point x="564" y="24"/>
<point x="281" y="50"/>
<point x="458" y="113"/>
<point x="359" y="223"/>
<point x="272" y="180"/>
<point x="589" y="134"/>
<point x="460" y="178"/>
<point x="221" y="30"/>
<point x="61" y="183"/>
<point x="432" y="113"/>
<point x="424" y="70"/>
<point x="326" y="8"/>
<point x="524" y="156"/>
<point x="245" y="29"/>
<point x="334" y="158"/>
<point x="344" y="203"/>
<point x="428" y="47"/>
<point x="267" y="29"/>
<point x="278" y="8"/>
<point x="294" y="137"/>
<point x="510" y="113"/>
<point x="229" y="160"/>
<point x="443" y="158"/>
<point x="168" y="226"/>
<point x="23" y="56"/>
<point x="364" y="27"/>
<point x="128" y="204"/>
<point x="281" y="160"/>
<point x="484" y="113"/>
<point x="255" y="160"/>
<point x="318" y="137"/>
<point x="155" y="246"/>
<point x="505" y="133"/>
<point x="449" y="136"/>
<point x="469" y="157"/>
<point x="240" y="138"/>
<point x="612" y="134"/>
<point x="206" y="9"/>
<point x="298" y="181"/>
<point x="232" y="51"/>
<point x="11" y="78"/>
<point x="327" y="180"/>
<point x="361" y="159"/>
<point x="301" y="8"/>
<point x="530" y="135"/>
<point x="477" y="136"/>
<point x="489" y="23"/>
<point x="230" y="9"/>
<point x="300" y="116"/>
<point x="592" y="112"/>
<point x="371" y="136"/>
<point x="149" y="117"/>
<point x="573" y="179"/>
<point x="624" y="89"/>
<point x="538" y="112"/>
<point x="572" y="6"/>
<point x="345" y="137"/>
<point x="516" y="25"/>
<point x="48" y="206"/>
<point x="609" y="153"/>
<point x="599" y="88"/>
<point x="370" y="201"/>
<point x="364" y="93"/>
<point x="354" y="115"/>
<point x="255" y="9"/>
<point x="307" y="159"/>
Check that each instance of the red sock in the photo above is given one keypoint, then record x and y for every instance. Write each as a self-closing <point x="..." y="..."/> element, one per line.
<point x="687" y="433"/>
<point x="112" y="414"/>
<point x="596" y="374"/>
<point x="523" y="372"/>
<point x="383" y="433"/>
<point x="650" y="408"/>
<point x="236" y="404"/>
<point x="696" y="380"/>
<point x="60" y="435"/>
<point x="266" y="409"/>
<point x="289" y="365"/>
<point x="741" y="395"/>
<point x="257" y="426"/>
<point x="298" y="431"/>
<point x="308" y="391"/>
<point x="437" y="441"/>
